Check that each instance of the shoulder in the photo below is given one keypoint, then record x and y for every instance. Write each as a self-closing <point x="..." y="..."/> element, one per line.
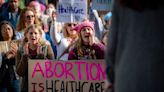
<point x="44" y="42"/>
<point x="98" y="46"/>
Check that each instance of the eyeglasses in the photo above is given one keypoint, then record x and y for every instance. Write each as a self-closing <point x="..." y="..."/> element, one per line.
<point x="71" y="25"/>
<point x="29" y="16"/>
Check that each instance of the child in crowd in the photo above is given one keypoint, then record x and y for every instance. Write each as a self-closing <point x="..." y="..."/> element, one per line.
<point x="87" y="46"/>
<point x="33" y="47"/>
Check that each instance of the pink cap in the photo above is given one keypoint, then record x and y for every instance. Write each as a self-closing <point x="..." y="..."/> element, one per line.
<point x="86" y="23"/>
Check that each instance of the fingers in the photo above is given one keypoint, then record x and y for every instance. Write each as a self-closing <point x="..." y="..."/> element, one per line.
<point x="13" y="46"/>
<point x="91" y="40"/>
<point x="10" y="54"/>
<point x="12" y="51"/>
<point x="26" y="49"/>
<point x="39" y="49"/>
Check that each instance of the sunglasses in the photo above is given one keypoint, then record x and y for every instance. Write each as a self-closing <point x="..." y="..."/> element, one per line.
<point x="29" y="16"/>
<point x="71" y="25"/>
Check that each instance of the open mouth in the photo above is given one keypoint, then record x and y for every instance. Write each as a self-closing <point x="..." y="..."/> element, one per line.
<point x="87" y="36"/>
<point x="33" y="39"/>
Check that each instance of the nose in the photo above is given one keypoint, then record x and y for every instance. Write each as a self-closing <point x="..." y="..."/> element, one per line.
<point x="87" y="31"/>
<point x="33" y="34"/>
<point x="7" y="30"/>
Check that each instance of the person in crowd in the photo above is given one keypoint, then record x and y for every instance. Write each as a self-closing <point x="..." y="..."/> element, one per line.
<point x="2" y="2"/>
<point x="42" y="3"/>
<point x="27" y="17"/>
<point x="9" y="79"/>
<point x="64" y="40"/>
<point x="40" y="14"/>
<point x="34" y="47"/>
<point x="49" y="9"/>
<point x="87" y="46"/>
<point x="51" y="21"/>
<point x="105" y="38"/>
<point x="98" y="23"/>
<point x="135" y="50"/>
<point x="107" y="20"/>
<point x="10" y="12"/>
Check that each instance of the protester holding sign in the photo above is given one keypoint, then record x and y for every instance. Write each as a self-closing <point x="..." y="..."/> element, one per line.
<point x="88" y="46"/>
<point x="34" y="48"/>
<point x="9" y="80"/>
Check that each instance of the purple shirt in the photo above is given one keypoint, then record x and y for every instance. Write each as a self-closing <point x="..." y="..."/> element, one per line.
<point x="96" y="51"/>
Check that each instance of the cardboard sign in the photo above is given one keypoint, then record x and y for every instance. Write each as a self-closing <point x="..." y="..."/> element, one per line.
<point x="70" y="76"/>
<point x="71" y="10"/>
<point x="102" y="5"/>
<point x="3" y="46"/>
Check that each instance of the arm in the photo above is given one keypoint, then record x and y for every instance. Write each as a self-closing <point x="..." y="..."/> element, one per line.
<point x="55" y="36"/>
<point x="22" y="64"/>
<point x="99" y="50"/>
<point x="50" y="54"/>
<point x="45" y="52"/>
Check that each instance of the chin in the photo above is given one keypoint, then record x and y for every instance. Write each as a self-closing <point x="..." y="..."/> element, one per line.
<point x="34" y="42"/>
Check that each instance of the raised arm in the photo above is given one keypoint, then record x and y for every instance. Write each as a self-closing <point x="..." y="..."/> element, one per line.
<point x="54" y="34"/>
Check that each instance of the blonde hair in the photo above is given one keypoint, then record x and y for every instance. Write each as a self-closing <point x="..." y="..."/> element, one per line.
<point x="79" y="45"/>
<point x="33" y="26"/>
<point x="66" y="34"/>
<point x="22" y="22"/>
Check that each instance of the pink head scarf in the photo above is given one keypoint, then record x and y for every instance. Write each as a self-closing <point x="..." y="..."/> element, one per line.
<point x="85" y="23"/>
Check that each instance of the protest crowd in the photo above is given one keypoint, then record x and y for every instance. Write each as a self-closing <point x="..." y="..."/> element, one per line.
<point x="30" y="29"/>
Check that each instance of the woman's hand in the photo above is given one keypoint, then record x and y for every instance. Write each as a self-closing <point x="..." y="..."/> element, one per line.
<point x="39" y="49"/>
<point x="26" y="49"/>
<point x="12" y="51"/>
<point x="91" y="40"/>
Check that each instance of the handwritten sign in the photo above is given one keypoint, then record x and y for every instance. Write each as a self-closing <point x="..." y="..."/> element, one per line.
<point x="70" y="76"/>
<point x="102" y="4"/>
<point x="3" y="46"/>
<point x="71" y="10"/>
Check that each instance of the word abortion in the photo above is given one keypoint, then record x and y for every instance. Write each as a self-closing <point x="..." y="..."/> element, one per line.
<point x="84" y="70"/>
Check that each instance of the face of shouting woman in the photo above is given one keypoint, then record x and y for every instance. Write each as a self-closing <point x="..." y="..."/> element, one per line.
<point x="33" y="36"/>
<point x="86" y="35"/>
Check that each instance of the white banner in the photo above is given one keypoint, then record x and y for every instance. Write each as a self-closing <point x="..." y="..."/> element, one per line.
<point x="71" y="10"/>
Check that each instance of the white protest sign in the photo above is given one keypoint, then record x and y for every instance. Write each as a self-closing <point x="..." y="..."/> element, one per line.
<point x="102" y="4"/>
<point x="3" y="46"/>
<point x="71" y="10"/>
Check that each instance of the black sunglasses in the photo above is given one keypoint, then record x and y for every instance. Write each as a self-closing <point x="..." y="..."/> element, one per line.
<point x="29" y="16"/>
<point x="71" y="25"/>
